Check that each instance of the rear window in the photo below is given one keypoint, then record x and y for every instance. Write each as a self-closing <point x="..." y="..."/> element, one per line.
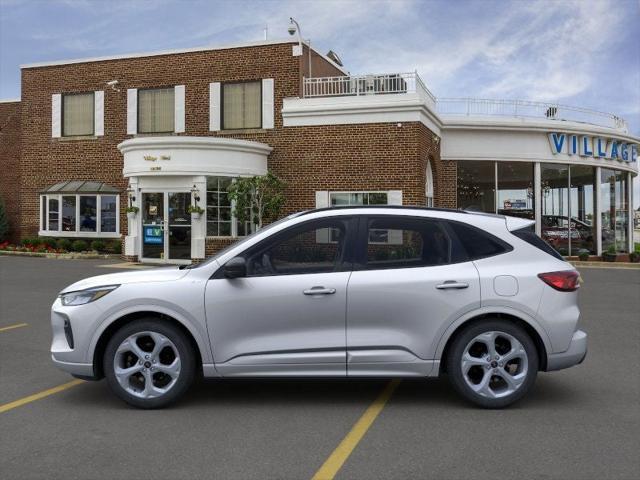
<point x="478" y="243"/>
<point x="529" y="236"/>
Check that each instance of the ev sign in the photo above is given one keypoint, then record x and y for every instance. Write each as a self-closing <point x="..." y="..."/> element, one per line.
<point x="597" y="147"/>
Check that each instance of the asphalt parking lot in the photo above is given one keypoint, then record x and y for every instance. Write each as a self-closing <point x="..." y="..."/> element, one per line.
<point x="580" y="423"/>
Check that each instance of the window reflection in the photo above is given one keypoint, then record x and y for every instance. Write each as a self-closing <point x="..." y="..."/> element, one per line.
<point x="515" y="189"/>
<point x="476" y="186"/>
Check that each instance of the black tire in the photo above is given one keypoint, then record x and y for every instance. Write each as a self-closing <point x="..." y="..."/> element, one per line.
<point x="185" y="351"/>
<point x="456" y="351"/>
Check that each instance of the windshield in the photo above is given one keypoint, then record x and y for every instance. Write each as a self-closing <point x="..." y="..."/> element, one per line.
<point x="240" y="242"/>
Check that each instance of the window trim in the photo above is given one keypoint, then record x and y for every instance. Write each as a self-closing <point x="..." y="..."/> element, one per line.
<point x="222" y="86"/>
<point x="163" y="132"/>
<point x="368" y="192"/>
<point x="77" y="233"/>
<point x="93" y="116"/>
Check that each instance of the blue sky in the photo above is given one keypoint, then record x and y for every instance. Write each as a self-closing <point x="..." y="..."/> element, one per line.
<point x="579" y="52"/>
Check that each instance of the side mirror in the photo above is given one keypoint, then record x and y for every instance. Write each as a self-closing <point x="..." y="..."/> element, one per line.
<point x="235" y="268"/>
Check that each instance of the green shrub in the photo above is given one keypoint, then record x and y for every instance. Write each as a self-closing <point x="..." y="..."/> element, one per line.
<point x="583" y="255"/>
<point x="97" y="245"/>
<point x="47" y="242"/>
<point x="79" y="246"/>
<point x="64" y="244"/>
<point x="115" y="247"/>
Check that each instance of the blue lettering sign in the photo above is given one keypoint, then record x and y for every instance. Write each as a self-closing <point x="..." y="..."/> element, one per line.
<point x="614" y="150"/>
<point x="586" y="147"/>
<point x="557" y="142"/>
<point x="624" y="153"/>
<point x="573" y="149"/>
<point x="634" y="153"/>
<point x="601" y="150"/>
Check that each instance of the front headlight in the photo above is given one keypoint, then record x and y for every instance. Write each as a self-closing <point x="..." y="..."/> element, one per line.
<point x="82" y="297"/>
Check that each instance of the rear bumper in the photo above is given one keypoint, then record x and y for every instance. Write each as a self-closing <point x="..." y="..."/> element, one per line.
<point x="574" y="355"/>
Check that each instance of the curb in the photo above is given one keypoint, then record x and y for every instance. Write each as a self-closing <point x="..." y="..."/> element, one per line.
<point x="62" y="256"/>
<point x="612" y="265"/>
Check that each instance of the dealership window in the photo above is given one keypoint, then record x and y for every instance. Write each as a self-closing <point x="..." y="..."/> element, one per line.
<point x="156" y="110"/>
<point x="338" y="199"/>
<point x="221" y="220"/>
<point x="241" y="105"/>
<point x="78" y="114"/>
<point x="71" y="209"/>
<point x="581" y="205"/>
<point x="555" y="206"/>
<point x="429" y="185"/>
<point x="477" y="186"/>
<point x="515" y="189"/>
<point x="614" y="210"/>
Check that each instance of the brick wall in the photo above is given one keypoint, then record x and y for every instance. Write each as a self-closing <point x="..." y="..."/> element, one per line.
<point x="10" y="160"/>
<point x="340" y="157"/>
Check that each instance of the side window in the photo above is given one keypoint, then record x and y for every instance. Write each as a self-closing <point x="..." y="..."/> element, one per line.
<point x="408" y="242"/>
<point x="301" y="250"/>
<point x="478" y="243"/>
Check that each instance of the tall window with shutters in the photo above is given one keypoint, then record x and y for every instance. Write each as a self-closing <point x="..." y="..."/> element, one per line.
<point x="156" y="110"/>
<point x="241" y="105"/>
<point x="78" y="114"/>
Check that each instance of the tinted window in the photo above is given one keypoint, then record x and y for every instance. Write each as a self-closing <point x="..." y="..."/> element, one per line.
<point x="478" y="243"/>
<point x="394" y="242"/>
<point x="301" y="250"/>
<point x="529" y="236"/>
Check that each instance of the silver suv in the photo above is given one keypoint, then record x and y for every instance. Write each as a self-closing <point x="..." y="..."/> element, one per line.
<point x="342" y="292"/>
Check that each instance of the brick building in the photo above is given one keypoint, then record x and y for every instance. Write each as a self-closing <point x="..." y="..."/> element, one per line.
<point x="160" y="131"/>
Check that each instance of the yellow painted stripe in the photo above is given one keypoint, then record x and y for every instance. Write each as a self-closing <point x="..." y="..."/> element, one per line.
<point x="335" y="461"/>
<point x="37" y="396"/>
<point x="11" y="327"/>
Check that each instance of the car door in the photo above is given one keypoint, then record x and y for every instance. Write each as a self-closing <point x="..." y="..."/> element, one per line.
<point x="288" y="315"/>
<point x="410" y="281"/>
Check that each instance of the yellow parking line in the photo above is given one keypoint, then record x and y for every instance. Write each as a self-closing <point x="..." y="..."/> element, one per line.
<point x="11" y="327"/>
<point x="335" y="461"/>
<point x="37" y="396"/>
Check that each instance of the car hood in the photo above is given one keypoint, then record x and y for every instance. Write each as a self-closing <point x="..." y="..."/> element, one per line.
<point x="151" y="275"/>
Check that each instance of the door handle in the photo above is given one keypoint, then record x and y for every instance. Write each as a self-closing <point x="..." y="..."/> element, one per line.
<point x="452" y="284"/>
<point x="319" y="291"/>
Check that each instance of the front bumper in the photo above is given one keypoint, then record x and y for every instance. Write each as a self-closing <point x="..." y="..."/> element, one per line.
<point x="81" y="370"/>
<point x="574" y="355"/>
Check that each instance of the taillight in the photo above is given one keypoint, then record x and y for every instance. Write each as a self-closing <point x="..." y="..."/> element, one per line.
<point x="564" y="281"/>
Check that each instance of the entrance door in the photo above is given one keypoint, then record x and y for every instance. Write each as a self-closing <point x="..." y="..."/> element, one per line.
<point x="166" y="227"/>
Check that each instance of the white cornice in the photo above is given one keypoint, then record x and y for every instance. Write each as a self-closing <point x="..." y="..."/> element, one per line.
<point x="9" y="100"/>
<point x="194" y="143"/>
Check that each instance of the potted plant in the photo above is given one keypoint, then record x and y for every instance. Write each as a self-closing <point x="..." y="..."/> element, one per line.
<point x="131" y="212"/>
<point x="196" y="211"/>
<point x="610" y="255"/>
<point x="583" y="255"/>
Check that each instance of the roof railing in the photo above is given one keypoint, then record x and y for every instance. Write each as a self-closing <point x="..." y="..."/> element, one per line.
<point x="411" y="83"/>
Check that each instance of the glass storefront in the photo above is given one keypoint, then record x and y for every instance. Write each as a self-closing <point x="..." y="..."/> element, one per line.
<point x="515" y="189"/>
<point x="477" y="186"/>
<point x="567" y="200"/>
<point x="614" y="208"/>
<point x="567" y="220"/>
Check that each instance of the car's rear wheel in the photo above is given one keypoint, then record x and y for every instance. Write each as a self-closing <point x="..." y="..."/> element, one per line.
<point x="149" y="363"/>
<point x="492" y="363"/>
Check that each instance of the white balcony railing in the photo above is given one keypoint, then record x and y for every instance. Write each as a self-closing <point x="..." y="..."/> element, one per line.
<point x="525" y="108"/>
<point x="401" y="83"/>
<point x="357" y="85"/>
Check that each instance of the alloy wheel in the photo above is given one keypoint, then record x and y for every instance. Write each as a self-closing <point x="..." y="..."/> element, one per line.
<point x="147" y="364"/>
<point x="494" y="364"/>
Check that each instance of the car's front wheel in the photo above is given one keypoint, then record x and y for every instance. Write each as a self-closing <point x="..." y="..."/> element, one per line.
<point x="149" y="363"/>
<point x="492" y="363"/>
